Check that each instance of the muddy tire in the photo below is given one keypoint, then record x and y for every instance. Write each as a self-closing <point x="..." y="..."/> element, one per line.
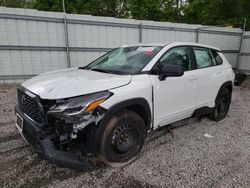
<point x="222" y="105"/>
<point x="122" y="138"/>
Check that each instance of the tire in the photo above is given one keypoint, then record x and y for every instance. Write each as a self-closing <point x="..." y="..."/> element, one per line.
<point x="122" y="138"/>
<point x="222" y="104"/>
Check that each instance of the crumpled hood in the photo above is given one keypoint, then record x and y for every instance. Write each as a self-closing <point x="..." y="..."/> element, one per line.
<point x="73" y="82"/>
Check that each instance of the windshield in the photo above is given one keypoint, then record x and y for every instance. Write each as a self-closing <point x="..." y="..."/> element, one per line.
<point x="125" y="60"/>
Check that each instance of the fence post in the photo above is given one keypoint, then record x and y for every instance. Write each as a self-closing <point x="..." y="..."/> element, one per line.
<point x="66" y="36"/>
<point x="240" y="48"/>
<point x="197" y="35"/>
<point x="240" y="52"/>
<point x="140" y="32"/>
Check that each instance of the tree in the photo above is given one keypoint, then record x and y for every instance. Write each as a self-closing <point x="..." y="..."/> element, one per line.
<point x="208" y="12"/>
<point x="48" y="5"/>
<point x="214" y="12"/>
<point x="245" y="7"/>
<point x="173" y="10"/>
<point x="115" y="8"/>
<point x="14" y="3"/>
<point x="145" y="9"/>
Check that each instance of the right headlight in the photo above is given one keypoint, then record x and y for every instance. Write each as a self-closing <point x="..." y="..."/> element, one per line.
<point x="78" y="109"/>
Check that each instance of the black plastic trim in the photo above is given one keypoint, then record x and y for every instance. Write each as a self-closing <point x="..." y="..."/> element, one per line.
<point x="224" y="85"/>
<point x="202" y="111"/>
<point x="125" y="104"/>
<point x="38" y="100"/>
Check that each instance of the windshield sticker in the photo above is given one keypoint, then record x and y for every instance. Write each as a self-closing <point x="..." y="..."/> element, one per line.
<point x="146" y="48"/>
<point x="149" y="53"/>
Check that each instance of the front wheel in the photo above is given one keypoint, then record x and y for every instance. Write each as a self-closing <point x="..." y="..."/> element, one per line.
<point x="122" y="139"/>
<point x="222" y="105"/>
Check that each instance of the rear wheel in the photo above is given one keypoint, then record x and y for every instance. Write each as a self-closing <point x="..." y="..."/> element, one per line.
<point x="222" y="105"/>
<point x="122" y="139"/>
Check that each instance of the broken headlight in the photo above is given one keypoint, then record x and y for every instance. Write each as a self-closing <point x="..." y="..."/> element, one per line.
<point x="78" y="109"/>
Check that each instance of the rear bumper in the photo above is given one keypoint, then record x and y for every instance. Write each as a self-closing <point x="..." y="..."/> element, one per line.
<point x="43" y="145"/>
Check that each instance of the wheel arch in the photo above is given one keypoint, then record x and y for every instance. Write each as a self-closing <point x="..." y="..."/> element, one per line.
<point x="228" y="85"/>
<point x="138" y="105"/>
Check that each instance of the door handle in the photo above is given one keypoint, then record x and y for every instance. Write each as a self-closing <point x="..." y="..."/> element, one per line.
<point x="192" y="78"/>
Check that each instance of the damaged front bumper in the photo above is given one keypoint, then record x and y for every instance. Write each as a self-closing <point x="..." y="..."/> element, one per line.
<point x="44" y="146"/>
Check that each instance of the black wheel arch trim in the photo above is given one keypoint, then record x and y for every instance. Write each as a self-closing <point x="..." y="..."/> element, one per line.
<point x="202" y="111"/>
<point x="227" y="84"/>
<point x="127" y="104"/>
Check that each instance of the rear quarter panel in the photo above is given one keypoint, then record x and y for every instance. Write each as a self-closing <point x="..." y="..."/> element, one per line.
<point x="228" y="71"/>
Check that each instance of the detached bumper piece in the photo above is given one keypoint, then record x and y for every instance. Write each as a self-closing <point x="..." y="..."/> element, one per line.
<point x="43" y="145"/>
<point x="62" y="158"/>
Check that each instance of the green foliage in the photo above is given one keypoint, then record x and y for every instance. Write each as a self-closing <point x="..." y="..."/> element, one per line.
<point x="158" y="10"/>
<point x="215" y="12"/>
<point x="208" y="12"/>
<point x="115" y="8"/>
<point x="14" y="3"/>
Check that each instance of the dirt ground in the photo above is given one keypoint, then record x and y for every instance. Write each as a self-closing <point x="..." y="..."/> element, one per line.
<point x="182" y="157"/>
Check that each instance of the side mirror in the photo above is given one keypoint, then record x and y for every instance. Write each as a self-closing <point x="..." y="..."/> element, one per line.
<point x="170" y="70"/>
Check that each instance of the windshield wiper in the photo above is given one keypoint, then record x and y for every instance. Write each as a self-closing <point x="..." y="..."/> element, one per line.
<point x="101" y="70"/>
<point x="104" y="70"/>
<point x="82" y="67"/>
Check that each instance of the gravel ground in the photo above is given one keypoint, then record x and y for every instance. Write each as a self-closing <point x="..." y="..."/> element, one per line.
<point x="179" y="157"/>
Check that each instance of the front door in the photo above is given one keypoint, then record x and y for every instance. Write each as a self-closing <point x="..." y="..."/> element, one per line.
<point x="174" y="97"/>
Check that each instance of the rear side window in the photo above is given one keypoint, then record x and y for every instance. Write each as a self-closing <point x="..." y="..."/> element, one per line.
<point x="204" y="57"/>
<point x="217" y="57"/>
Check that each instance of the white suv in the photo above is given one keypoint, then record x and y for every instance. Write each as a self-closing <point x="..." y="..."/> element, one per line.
<point x="106" y="108"/>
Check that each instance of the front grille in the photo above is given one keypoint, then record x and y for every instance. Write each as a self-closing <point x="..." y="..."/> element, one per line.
<point x="29" y="106"/>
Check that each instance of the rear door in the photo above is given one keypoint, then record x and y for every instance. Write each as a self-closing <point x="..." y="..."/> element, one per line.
<point x="209" y="74"/>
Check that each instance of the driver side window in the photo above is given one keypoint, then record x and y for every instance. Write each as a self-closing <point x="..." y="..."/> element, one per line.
<point x="176" y="56"/>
